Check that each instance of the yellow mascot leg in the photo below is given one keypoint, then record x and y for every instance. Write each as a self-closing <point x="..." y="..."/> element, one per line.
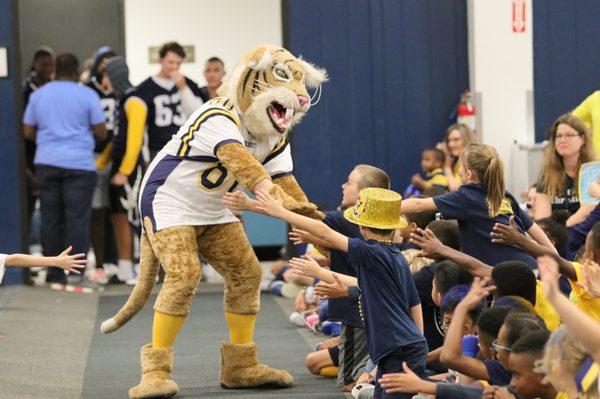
<point x="226" y="248"/>
<point x="165" y="329"/>
<point x="241" y="327"/>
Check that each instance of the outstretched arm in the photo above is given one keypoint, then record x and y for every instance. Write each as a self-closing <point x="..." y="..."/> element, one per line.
<point x="452" y="356"/>
<point x="272" y="207"/>
<point x="414" y="205"/>
<point x="508" y="234"/>
<point x="586" y="329"/>
<point x="290" y="186"/>
<point x="433" y="248"/>
<point x="252" y="175"/>
<point x="64" y="261"/>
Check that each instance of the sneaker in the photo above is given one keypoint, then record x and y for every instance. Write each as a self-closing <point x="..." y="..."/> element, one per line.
<point x="98" y="276"/>
<point x="297" y="319"/>
<point x="363" y="391"/>
<point x="312" y="322"/>
<point x="131" y="281"/>
<point x="275" y="287"/>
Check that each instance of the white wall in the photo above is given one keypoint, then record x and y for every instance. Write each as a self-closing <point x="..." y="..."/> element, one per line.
<point x="501" y="72"/>
<point x="226" y="29"/>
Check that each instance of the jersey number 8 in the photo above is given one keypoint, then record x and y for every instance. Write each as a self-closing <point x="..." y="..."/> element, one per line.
<point x="213" y="177"/>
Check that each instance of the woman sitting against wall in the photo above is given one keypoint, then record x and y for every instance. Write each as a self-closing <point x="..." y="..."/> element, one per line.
<point x="570" y="145"/>
<point x="458" y="137"/>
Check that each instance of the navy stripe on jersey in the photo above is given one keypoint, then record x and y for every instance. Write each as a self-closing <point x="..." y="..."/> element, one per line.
<point x="276" y="152"/>
<point x="228" y="141"/>
<point x="284" y="174"/>
<point x="157" y="178"/>
<point x="184" y="148"/>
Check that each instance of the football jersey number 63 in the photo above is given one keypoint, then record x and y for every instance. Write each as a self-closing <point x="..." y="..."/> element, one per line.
<point x="164" y="115"/>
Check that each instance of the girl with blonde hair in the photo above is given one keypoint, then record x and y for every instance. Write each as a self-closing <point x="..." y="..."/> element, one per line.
<point x="458" y="137"/>
<point x="568" y="367"/>
<point x="478" y="204"/>
<point x="570" y="145"/>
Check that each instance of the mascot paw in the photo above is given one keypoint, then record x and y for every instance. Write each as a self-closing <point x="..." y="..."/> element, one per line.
<point x="156" y="374"/>
<point x="109" y="326"/>
<point x="240" y="369"/>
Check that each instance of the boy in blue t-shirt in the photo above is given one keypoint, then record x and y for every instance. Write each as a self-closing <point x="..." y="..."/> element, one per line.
<point x="390" y="305"/>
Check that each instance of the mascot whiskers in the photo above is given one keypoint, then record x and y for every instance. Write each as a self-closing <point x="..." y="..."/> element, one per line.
<point x="237" y="140"/>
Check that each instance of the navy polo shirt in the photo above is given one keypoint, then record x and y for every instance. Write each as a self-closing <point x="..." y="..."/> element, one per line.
<point x="498" y="374"/>
<point x="387" y="294"/>
<point x="468" y="205"/>
<point x="343" y="309"/>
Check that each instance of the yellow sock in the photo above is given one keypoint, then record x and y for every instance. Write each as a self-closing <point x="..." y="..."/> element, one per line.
<point x="241" y="327"/>
<point x="165" y="329"/>
<point x="329" y="372"/>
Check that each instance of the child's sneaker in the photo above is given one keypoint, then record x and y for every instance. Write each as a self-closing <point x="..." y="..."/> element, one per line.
<point x="275" y="287"/>
<point x="363" y="391"/>
<point x="312" y="322"/>
<point x="98" y="276"/>
<point x="297" y="319"/>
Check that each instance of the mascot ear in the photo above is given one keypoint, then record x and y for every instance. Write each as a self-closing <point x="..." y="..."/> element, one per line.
<point x="261" y="60"/>
<point x="315" y="76"/>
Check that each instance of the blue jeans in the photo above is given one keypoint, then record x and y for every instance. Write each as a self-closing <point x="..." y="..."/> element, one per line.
<point x="414" y="355"/>
<point x="66" y="207"/>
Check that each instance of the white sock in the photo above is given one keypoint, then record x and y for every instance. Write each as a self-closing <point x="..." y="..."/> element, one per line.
<point x="125" y="271"/>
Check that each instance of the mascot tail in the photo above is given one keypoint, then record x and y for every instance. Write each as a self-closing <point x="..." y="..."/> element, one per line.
<point x="142" y="290"/>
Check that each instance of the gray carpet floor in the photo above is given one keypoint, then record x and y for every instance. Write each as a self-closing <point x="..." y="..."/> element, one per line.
<point x="113" y="360"/>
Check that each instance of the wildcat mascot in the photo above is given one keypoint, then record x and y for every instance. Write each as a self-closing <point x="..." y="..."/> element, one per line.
<point x="233" y="141"/>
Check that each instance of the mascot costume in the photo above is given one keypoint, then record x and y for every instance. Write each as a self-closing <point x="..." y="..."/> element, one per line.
<point x="233" y="141"/>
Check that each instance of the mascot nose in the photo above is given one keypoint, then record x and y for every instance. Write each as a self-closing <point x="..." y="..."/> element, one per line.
<point x="303" y="100"/>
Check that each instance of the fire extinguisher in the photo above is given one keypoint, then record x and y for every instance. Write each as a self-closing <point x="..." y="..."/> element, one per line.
<point x="466" y="112"/>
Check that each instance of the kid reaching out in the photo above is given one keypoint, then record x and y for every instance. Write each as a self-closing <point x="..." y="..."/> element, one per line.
<point x="389" y="300"/>
<point x="481" y="202"/>
<point x="65" y="261"/>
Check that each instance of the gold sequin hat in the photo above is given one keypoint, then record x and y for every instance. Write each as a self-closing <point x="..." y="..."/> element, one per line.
<point x="377" y="208"/>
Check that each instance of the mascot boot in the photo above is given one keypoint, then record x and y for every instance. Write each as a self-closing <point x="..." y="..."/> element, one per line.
<point x="156" y="374"/>
<point x="240" y="369"/>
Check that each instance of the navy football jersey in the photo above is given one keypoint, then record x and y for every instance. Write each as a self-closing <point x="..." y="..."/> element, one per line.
<point x="109" y="106"/>
<point x="165" y="113"/>
<point x="120" y="138"/>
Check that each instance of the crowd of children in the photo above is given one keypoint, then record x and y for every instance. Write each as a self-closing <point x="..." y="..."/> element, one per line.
<point x="446" y="294"/>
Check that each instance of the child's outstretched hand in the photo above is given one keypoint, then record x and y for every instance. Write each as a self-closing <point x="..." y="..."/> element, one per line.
<point x="401" y="382"/>
<point x="238" y="201"/>
<point x="305" y="266"/>
<point x="428" y="242"/>
<point x="328" y="291"/>
<point x="69" y="262"/>
<point x="480" y="289"/>
<point x="298" y="237"/>
<point x="549" y="275"/>
<point x="591" y="278"/>
<point x="506" y="233"/>
<point x="268" y="205"/>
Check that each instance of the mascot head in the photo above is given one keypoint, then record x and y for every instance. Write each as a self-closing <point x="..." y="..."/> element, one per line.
<point x="269" y="88"/>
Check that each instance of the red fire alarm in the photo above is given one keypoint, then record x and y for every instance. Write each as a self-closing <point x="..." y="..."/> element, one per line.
<point x="519" y="16"/>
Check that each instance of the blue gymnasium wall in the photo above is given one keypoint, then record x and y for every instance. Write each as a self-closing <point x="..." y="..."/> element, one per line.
<point x="397" y="68"/>
<point x="566" y="51"/>
<point x="10" y="144"/>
